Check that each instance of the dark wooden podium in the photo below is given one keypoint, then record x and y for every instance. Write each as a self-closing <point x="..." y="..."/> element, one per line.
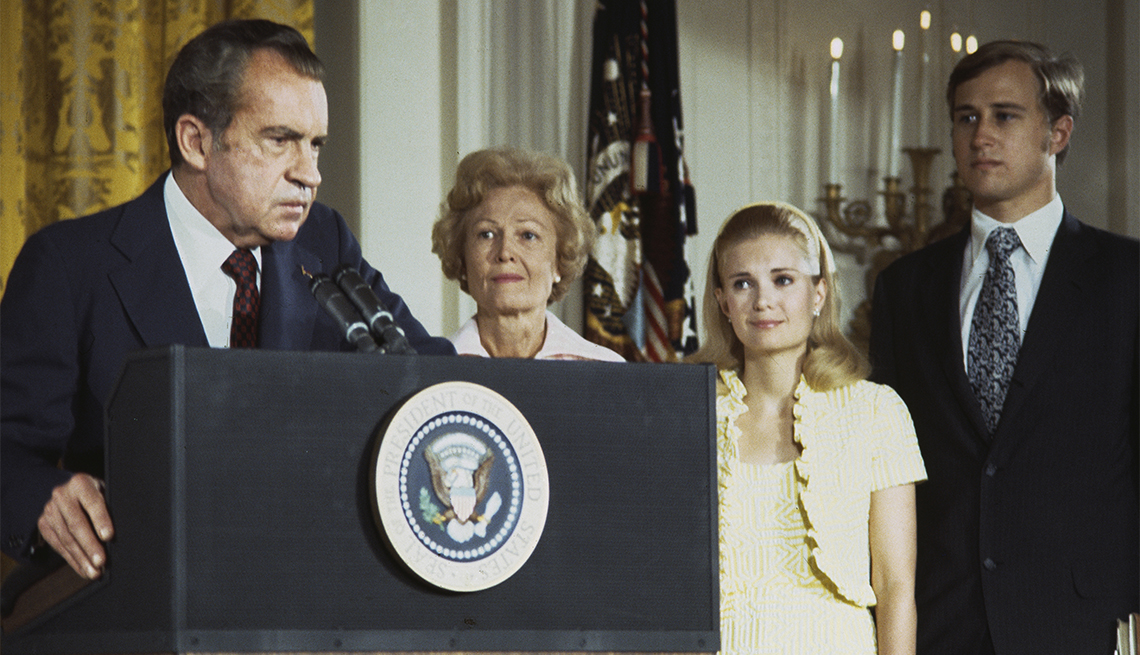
<point x="240" y="487"/>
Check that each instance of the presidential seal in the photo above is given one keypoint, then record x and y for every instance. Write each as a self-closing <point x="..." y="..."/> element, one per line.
<point x="461" y="488"/>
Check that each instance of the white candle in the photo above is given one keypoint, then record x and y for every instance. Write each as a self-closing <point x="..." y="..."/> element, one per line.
<point x="833" y="114"/>
<point x="896" y="107"/>
<point x="924" y="82"/>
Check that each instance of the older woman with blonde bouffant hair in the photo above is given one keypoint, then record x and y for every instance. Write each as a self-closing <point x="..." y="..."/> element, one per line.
<point x="514" y="233"/>
<point x="816" y="465"/>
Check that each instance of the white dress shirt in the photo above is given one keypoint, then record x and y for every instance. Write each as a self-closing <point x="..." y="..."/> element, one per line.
<point x="203" y="250"/>
<point x="1036" y="231"/>
<point x="561" y="343"/>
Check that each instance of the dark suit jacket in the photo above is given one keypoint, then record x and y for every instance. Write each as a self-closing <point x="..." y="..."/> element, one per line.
<point x="1032" y="536"/>
<point x="83" y="293"/>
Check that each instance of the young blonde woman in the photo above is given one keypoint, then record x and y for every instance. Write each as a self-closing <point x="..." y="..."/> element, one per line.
<point x="816" y="465"/>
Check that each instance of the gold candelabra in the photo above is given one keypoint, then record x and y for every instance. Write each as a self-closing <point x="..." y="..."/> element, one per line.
<point x="904" y="232"/>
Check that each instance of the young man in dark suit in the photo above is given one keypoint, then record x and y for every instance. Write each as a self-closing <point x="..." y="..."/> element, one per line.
<point x="1014" y="344"/>
<point x="245" y="115"/>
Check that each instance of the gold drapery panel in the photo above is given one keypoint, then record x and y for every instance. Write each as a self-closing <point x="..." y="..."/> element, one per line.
<point x="81" y="100"/>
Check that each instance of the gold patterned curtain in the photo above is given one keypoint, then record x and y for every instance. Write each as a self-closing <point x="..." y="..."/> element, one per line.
<point x="81" y="100"/>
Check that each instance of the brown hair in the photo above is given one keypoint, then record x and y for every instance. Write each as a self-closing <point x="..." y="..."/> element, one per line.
<point x="206" y="76"/>
<point x="832" y="360"/>
<point x="548" y="177"/>
<point x="1061" y="79"/>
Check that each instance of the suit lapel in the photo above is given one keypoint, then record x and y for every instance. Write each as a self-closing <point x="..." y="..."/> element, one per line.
<point x="942" y="322"/>
<point x="288" y="310"/>
<point x="152" y="284"/>
<point x="1051" y="322"/>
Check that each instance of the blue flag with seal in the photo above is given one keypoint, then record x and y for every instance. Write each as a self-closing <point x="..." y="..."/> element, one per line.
<point x="638" y="291"/>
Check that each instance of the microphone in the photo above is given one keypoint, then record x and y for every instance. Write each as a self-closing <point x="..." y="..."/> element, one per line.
<point x="379" y="319"/>
<point x="340" y="308"/>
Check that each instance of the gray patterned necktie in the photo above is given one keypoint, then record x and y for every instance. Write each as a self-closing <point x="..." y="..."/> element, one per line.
<point x="995" y="332"/>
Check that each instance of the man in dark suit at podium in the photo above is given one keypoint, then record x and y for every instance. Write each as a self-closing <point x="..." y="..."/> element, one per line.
<point x="215" y="253"/>
<point x="1014" y="344"/>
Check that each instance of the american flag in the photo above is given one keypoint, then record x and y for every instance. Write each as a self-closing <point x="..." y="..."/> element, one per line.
<point x="638" y="291"/>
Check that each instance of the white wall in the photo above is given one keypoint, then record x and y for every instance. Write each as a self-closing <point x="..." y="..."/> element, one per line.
<point x="438" y="78"/>
<point x="401" y="147"/>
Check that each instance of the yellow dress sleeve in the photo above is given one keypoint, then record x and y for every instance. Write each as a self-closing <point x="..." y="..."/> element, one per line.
<point x="895" y="456"/>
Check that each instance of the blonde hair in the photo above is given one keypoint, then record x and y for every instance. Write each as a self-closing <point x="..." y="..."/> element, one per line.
<point x="548" y="177"/>
<point x="832" y="360"/>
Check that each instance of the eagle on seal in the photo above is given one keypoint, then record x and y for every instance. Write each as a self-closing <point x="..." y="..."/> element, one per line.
<point x="460" y="467"/>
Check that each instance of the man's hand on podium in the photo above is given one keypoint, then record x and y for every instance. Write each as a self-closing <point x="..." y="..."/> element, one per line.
<point x="71" y="520"/>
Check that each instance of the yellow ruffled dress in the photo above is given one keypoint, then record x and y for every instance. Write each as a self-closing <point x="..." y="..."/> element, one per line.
<point x="794" y="559"/>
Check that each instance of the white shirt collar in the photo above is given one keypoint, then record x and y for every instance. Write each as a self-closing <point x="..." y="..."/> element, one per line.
<point x="202" y="250"/>
<point x="466" y="340"/>
<point x="199" y="242"/>
<point x="561" y="342"/>
<point x="1036" y="230"/>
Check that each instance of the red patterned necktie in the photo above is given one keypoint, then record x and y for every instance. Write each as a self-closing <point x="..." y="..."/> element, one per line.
<point x="242" y="267"/>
